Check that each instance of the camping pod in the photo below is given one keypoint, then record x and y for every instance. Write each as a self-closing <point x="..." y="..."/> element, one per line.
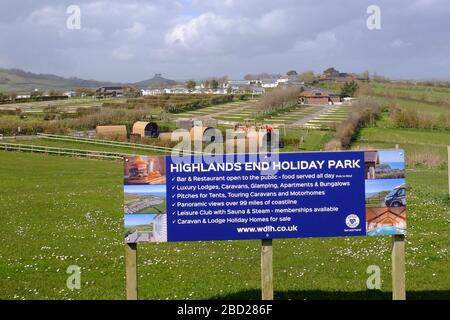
<point x="118" y="133"/>
<point x="206" y="134"/>
<point x="146" y="129"/>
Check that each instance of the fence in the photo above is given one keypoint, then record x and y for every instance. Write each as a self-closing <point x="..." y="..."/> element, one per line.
<point x="62" y="151"/>
<point x="112" y="143"/>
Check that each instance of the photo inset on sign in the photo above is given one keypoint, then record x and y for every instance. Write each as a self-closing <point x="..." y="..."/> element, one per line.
<point x="385" y="193"/>
<point x="384" y="164"/>
<point x="141" y="228"/>
<point x="150" y="198"/>
<point x="385" y="221"/>
<point x="145" y="170"/>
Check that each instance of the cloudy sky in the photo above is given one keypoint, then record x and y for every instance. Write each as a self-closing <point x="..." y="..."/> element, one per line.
<point x="131" y="40"/>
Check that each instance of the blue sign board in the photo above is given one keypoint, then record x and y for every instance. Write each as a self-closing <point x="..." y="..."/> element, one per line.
<point x="290" y="195"/>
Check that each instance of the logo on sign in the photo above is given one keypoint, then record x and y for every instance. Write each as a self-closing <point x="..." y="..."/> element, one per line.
<point x="352" y="221"/>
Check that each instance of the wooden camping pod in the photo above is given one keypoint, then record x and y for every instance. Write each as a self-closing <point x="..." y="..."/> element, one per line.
<point x="111" y="132"/>
<point x="206" y="134"/>
<point x="145" y="129"/>
<point x="165" y="136"/>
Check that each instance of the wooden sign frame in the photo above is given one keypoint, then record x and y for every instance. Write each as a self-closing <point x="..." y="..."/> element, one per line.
<point x="397" y="256"/>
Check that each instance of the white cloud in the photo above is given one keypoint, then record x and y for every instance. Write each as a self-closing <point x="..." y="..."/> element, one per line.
<point x="47" y="16"/>
<point x="400" y="44"/>
<point x="123" y="53"/>
<point x="213" y="34"/>
<point x="194" y="38"/>
<point x="323" y="41"/>
<point x="136" y="31"/>
<point x="201" y="34"/>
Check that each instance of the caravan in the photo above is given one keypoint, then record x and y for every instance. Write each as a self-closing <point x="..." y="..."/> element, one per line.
<point x="397" y="197"/>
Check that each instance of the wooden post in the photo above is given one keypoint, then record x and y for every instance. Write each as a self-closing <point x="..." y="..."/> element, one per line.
<point x="266" y="269"/>
<point x="131" y="271"/>
<point x="448" y="153"/>
<point x="398" y="265"/>
<point x="398" y="268"/>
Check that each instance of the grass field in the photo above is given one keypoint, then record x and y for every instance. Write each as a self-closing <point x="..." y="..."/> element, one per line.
<point x="330" y="118"/>
<point x="411" y="93"/>
<point x="414" y="141"/>
<point x="69" y="105"/>
<point x="249" y="111"/>
<point x="61" y="211"/>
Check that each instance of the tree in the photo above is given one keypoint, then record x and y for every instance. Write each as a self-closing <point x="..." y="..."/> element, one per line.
<point x="132" y="92"/>
<point x="378" y="78"/>
<point x="291" y="73"/>
<point x="214" y="84"/>
<point x="349" y="89"/>
<point x="36" y="93"/>
<point x="222" y="80"/>
<point x="229" y="90"/>
<point x="366" y="75"/>
<point x="307" y="77"/>
<point x="84" y="92"/>
<point x="55" y="93"/>
<point x="331" y="72"/>
<point x="190" y="85"/>
<point x="206" y="84"/>
<point x="11" y="95"/>
<point x="263" y="75"/>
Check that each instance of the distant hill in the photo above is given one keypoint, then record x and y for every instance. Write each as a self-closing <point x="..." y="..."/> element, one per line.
<point x="156" y="82"/>
<point x="22" y="81"/>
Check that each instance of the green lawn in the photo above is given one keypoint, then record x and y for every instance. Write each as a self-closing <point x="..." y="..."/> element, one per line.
<point x="417" y="92"/>
<point x="414" y="141"/>
<point x="61" y="211"/>
<point x="423" y="108"/>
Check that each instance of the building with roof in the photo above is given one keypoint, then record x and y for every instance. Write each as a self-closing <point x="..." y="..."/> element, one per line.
<point x="371" y="160"/>
<point x="316" y="97"/>
<point x="111" y="91"/>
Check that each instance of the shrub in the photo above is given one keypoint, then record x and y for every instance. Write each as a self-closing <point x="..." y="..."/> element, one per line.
<point x="278" y="99"/>
<point x="365" y="111"/>
<point x="426" y="159"/>
<point x="412" y="119"/>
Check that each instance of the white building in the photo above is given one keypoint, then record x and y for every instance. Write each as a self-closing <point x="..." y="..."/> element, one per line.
<point x="269" y="83"/>
<point x="23" y="96"/>
<point x="233" y="83"/>
<point x="70" y="93"/>
<point x="282" y="80"/>
<point x="176" y="89"/>
<point x="151" y="92"/>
